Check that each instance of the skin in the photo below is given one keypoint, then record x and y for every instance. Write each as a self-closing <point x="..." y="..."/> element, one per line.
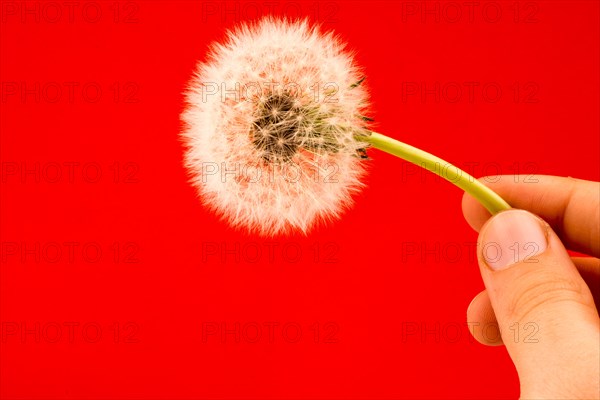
<point x="559" y="296"/>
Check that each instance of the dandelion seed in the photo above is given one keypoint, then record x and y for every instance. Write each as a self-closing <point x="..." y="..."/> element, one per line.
<point x="284" y="127"/>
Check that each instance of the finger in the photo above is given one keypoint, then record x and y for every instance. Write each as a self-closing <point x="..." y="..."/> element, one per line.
<point x="545" y="311"/>
<point x="571" y="206"/>
<point x="481" y="319"/>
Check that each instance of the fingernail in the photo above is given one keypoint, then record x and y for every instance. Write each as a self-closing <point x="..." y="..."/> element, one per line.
<point x="510" y="237"/>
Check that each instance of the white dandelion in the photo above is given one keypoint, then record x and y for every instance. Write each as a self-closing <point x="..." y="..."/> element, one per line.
<point x="271" y="123"/>
<point x="276" y="130"/>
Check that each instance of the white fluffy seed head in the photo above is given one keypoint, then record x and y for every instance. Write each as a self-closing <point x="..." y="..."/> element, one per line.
<point x="270" y="127"/>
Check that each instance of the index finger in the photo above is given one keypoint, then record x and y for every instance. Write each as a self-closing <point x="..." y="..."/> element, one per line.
<point x="571" y="206"/>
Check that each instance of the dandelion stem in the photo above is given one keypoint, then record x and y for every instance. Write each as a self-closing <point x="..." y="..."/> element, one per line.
<point x="486" y="196"/>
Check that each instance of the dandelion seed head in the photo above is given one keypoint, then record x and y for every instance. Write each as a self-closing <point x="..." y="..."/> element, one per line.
<point x="274" y="111"/>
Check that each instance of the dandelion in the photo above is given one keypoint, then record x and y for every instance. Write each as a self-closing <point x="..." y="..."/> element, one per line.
<point x="276" y="130"/>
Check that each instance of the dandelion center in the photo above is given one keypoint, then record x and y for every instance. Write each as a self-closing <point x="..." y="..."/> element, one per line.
<point x="278" y="123"/>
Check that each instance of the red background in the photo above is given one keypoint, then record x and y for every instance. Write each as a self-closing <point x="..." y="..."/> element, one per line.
<point x="379" y="298"/>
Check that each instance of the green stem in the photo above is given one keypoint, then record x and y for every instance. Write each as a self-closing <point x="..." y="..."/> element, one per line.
<point x="486" y="196"/>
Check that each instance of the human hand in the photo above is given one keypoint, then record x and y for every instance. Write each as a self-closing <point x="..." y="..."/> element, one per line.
<point x="531" y="280"/>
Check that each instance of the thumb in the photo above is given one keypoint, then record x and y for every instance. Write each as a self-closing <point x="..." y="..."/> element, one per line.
<point x="545" y="311"/>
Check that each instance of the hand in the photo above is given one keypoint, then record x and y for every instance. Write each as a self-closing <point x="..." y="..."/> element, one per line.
<point x="532" y="282"/>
